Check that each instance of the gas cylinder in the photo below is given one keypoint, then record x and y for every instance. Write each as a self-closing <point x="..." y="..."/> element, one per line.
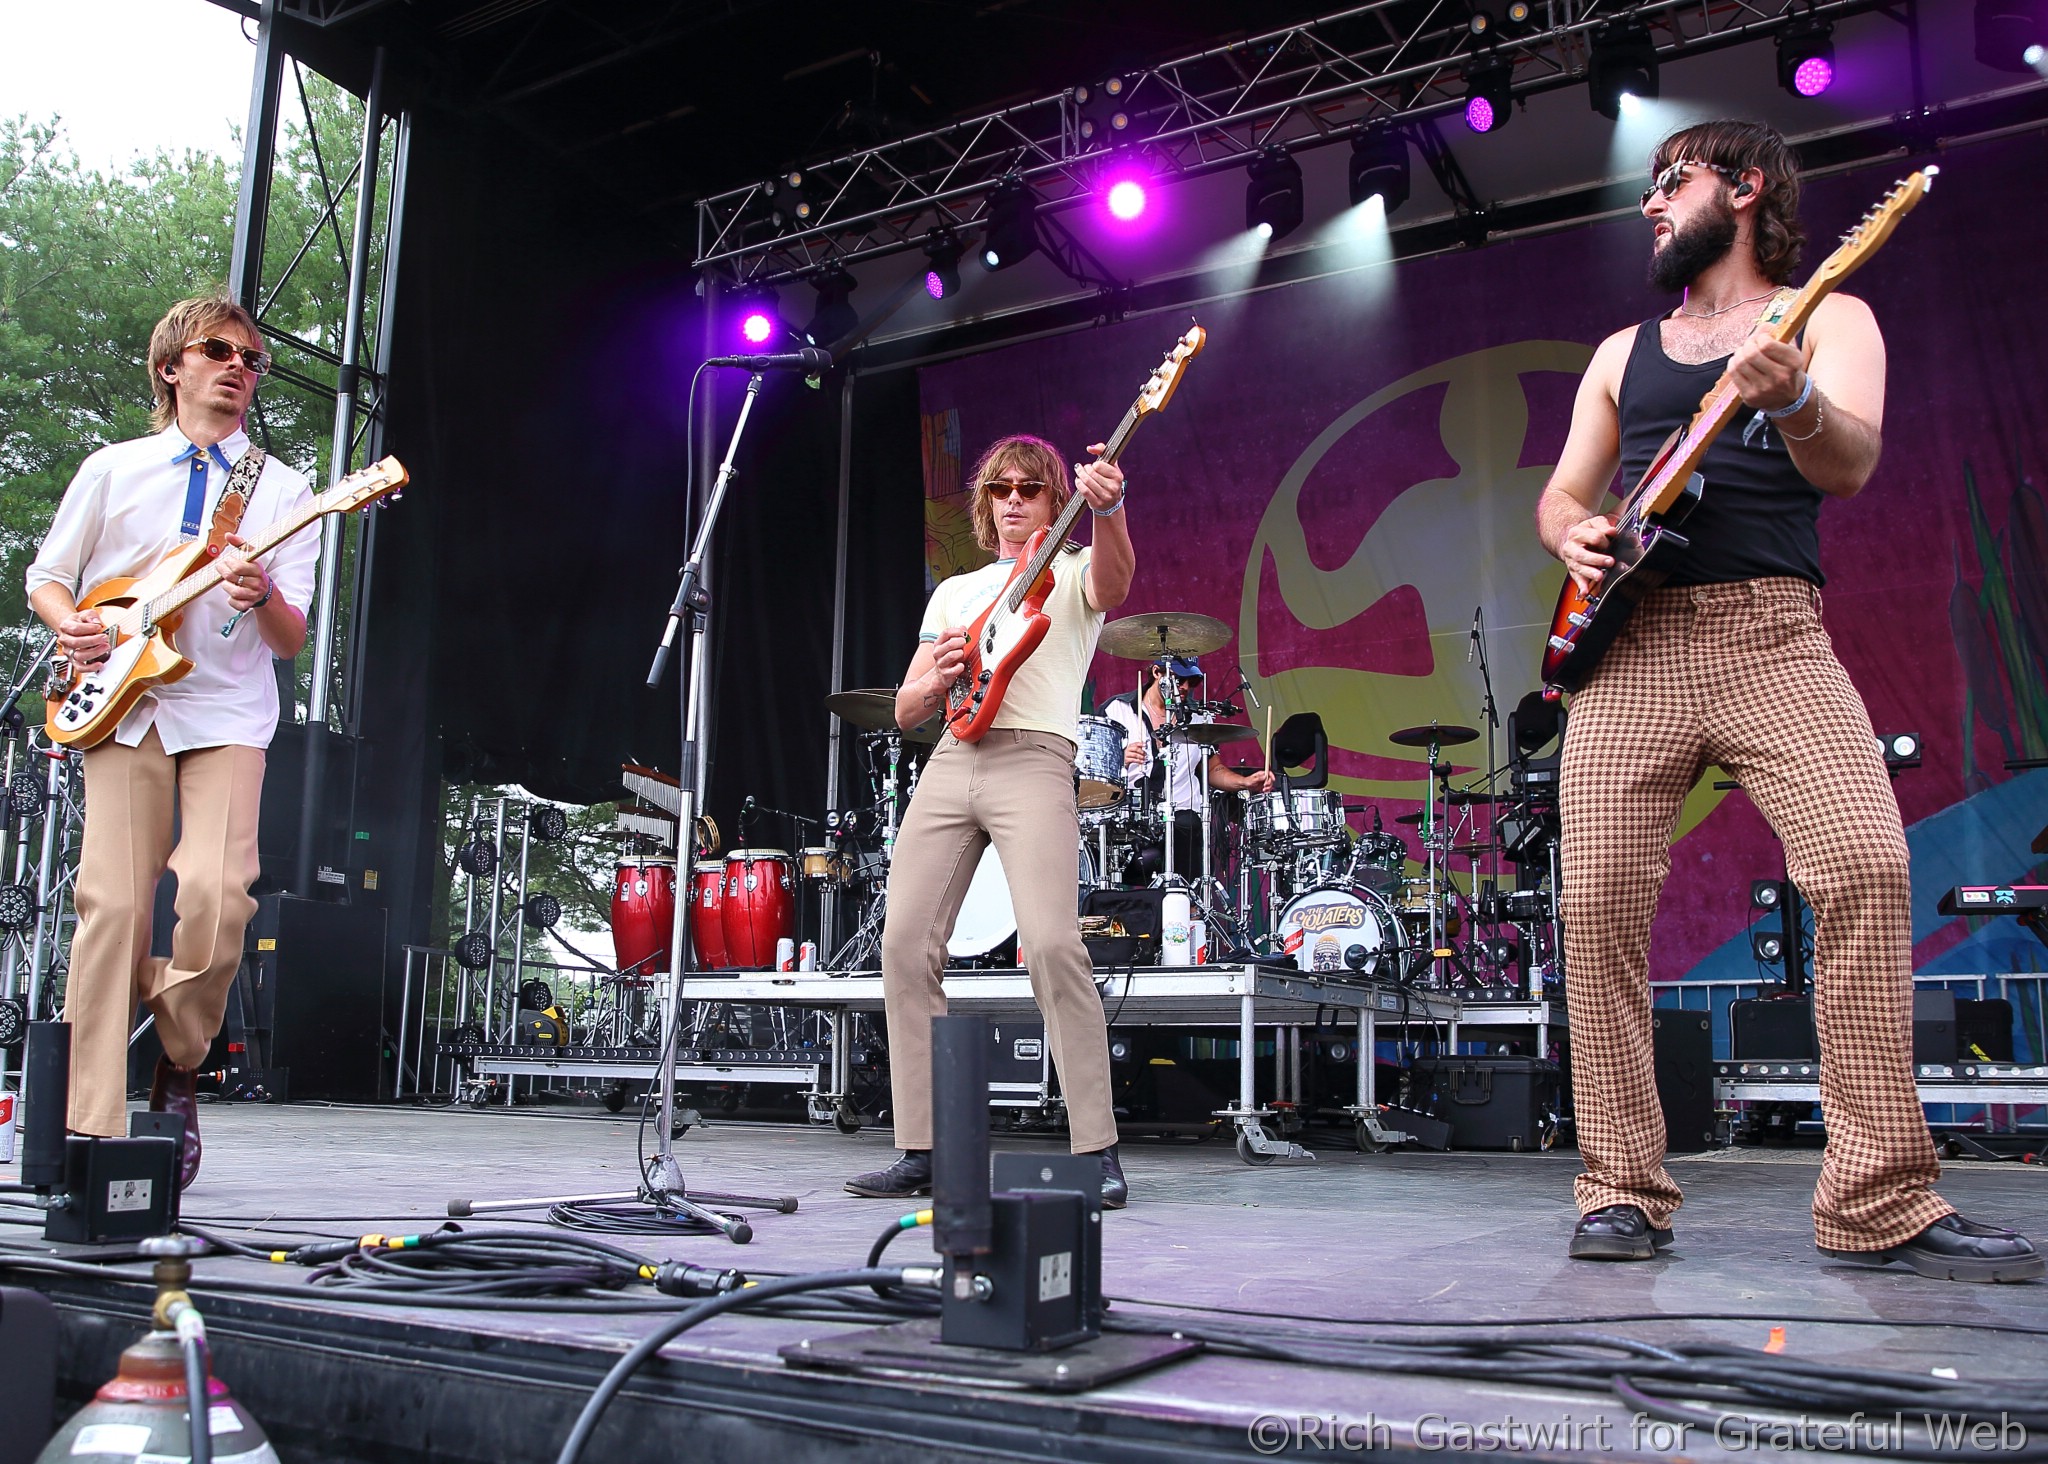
<point x="141" y="1412"/>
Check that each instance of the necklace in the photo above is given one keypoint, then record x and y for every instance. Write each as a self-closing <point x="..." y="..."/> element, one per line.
<point x="1710" y="314"/>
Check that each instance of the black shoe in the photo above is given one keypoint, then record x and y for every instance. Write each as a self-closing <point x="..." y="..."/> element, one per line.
<point x="1955" y="1249"/>
<point x="907" y="1178"/>
<point x="1616" y="1233"/>
<point x="1116" y="1192"/>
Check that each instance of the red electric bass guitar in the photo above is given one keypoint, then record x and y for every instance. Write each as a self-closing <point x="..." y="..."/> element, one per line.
<point x="1646" y="543"/>
<point x="1005" y="634"/>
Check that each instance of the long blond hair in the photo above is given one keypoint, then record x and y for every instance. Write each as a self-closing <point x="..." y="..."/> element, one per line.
<point x="1033" y="456"/>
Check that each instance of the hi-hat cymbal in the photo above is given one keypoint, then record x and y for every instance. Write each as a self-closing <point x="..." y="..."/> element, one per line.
<point x="1164" y="633"/>
<point x="1446" y="734"/>
<point x="1412" y="819"/>
<point x="1473" y="851"/>
<point x="1471" y="795"/>
<point x="1210" y="734"/>
<point x="875" y="711"/>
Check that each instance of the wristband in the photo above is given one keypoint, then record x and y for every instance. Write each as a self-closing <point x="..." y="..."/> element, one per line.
<point x="1112" y="510"/>
<point x="1778" y="414"/>
<point x="269" y="589"/>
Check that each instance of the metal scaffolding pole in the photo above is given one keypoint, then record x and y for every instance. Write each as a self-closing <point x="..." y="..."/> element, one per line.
<point x="259" y="159"/>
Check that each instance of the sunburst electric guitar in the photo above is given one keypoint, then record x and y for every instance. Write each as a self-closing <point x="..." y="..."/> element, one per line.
<point x="1646" y="543"/>
<point x="140" y="615"/>
<point x="1003" y="637"/>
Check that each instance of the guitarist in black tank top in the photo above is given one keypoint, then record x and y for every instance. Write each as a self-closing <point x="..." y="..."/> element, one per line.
<point x="1726" y="663"/>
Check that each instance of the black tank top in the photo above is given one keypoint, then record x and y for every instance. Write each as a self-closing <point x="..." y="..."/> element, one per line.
<point x="1758" y="517"/>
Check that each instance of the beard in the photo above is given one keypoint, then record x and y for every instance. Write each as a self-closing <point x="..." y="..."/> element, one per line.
<point x="1701" y="244"/>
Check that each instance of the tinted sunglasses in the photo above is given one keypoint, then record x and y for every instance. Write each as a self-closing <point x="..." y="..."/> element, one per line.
<point x="1001" y="488"/>
<point x="1672" y="179"/>
<point x="216" y="349"/>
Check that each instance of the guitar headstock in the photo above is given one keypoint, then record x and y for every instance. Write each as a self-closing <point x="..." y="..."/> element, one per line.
<point x="1166" y="376"/>
<point x="364" y="487"/>
<point x="1876" y="226"/>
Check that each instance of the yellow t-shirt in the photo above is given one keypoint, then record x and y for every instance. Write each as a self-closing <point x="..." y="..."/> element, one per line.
<point x="1045" y="694"/>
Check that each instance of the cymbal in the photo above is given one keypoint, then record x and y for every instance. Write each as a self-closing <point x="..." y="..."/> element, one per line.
<point x="1164" y="633"/>
<point x="1472" y="851"/>
<point x="1412" y="819"/>
<point x="874" y="710"/>
<point x="1211" y="734"/>
<point x="1447" y="734"/>
<point x="1472" y="795"/>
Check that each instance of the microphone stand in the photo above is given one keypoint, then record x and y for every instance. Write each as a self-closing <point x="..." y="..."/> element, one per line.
<point x="1491" y="716"/>
<point x="661" y="1184"/>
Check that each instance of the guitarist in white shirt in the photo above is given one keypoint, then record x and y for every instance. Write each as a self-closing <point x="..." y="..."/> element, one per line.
<point x="195" y="746"/>
<point x="1014" y="787"/>
<point x="1726" y="663"/>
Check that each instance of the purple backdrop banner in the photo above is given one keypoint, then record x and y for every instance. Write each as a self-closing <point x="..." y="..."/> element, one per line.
<point x="1350" y="468"/>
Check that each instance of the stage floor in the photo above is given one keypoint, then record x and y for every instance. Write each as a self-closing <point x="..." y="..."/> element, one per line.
<point x="1445" y="1238"/>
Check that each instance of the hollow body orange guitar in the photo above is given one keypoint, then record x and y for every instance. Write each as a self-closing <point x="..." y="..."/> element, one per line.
<point x="140" y="616"/>
<point x="1003" y="637"/>
<point x="1646" y="542"/>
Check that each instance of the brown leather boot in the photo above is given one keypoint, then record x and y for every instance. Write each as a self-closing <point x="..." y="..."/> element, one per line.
<point x="176" y="1090"/>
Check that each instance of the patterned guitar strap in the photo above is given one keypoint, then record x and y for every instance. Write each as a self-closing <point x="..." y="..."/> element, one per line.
<point x="227" y="512"/>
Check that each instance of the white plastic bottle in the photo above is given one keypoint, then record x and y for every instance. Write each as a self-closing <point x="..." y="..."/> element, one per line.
<point x="1176" y="914"/>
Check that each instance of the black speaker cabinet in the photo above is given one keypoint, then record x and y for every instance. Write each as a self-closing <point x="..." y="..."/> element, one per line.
<point x="1773" y="1029"/>
<point x="1683" y="1045"/>
<point x="321" y="993"/>
<point x="1934" y="1026"/>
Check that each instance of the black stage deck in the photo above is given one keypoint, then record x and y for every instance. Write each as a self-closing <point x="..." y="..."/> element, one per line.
<point x="1447" y="1238"/>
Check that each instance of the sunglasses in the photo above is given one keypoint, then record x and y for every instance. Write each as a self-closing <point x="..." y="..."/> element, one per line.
<point x="216" y="349"/>
<point x="1001" y="488"/>
<point x="1672" y="179"/>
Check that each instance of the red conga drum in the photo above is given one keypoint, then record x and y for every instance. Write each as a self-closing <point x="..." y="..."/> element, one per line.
<point x="759" y="906"/>
<point x="643" y="914"/>
<point x="707" y="928"/>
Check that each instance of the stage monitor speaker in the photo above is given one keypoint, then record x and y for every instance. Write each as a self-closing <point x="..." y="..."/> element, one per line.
<point x="1683" y="1045"/>
<point x="1984" y="1030"/>
<point x="320" y="980"/>
<point x="1934" y="1026"/>
<point x="1772" y="1029"/>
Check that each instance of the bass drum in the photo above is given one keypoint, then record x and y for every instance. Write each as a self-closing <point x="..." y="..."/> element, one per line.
<point x="985" y="931"/>
<point x="1340" y="931"/>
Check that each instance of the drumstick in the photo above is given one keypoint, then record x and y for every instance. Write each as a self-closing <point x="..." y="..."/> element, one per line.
<point x="1269" y="741"/>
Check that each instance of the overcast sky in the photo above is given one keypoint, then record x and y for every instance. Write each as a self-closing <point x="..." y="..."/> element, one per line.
<point x="127" y="76"/>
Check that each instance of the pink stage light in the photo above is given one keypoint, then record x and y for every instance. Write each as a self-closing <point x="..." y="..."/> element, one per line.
<point x="757" y="327"/>
<point x="1814" y="76"/>
<point x="1127" y="199"/>
<point x="1479" y="114"/>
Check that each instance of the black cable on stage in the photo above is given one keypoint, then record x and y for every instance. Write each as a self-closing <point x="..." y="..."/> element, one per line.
<point x="198" y="1400"/>
<point x="895" y="1228"/>
<point x="647" y="1347"/>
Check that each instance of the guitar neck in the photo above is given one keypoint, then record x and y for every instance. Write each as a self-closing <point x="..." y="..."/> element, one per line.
<point x="194" y="585"/>
<point x="1056" y="535"/>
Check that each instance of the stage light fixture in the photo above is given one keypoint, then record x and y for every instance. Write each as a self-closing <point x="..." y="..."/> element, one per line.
<point x="835" y="318"/>
<point x="1480" y="26"/>
<point x="13" y="1021"/>
<point x="478" y="857"/>
<point x="1517" y="19"/>
<point x="1379" y="166"/>
<point x="17" y="907"/>
<point x="1806" y="57"/>
<point x="536" y="995"/>
<point x="1901" y="750"/>
<point x="24" y="796"/>
<point x="1126" y="199"/>
<point x="1622" y="63"/>
<point x="2012" y="35"/>
<point x="1767" y="946"/>
<point x="473" y="951"/>
<point x="1489" y="94"/>
<point x="792" y="199"/>
<point x="1105" y="114"/>
<point x="942" y="250"/>
<point x="547" y="824"/>
<point x="1272" y="196"/>
<point x="1012" y="229"/>
<point x="756" y="309"/>
<point x="1765" y="894"/>
<point x="541" y="912"/>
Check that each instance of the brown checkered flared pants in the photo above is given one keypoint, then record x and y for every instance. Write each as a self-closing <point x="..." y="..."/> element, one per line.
<point x="1742" y="675"/>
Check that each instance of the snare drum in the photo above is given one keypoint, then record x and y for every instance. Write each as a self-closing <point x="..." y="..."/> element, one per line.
<point x="1340" y="930"/>
<point x="988" y="920"/>
<point x="1301" y="816"/>
<point x="643" y="914"/>
<point x="707" y="899"/>
<point x="1099" y="763"/>
<point x="758" y="907"/>
<point x="823" y="864"/>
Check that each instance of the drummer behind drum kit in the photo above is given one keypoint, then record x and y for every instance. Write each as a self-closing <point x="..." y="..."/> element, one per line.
<point x="1281" y="875"/>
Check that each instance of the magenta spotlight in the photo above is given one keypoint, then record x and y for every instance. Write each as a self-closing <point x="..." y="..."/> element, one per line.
<point x="1127" y="199"/>
<point x="1479" y="114"/>
<point x="1814" y="76"/>
<point x="757" y="327"/>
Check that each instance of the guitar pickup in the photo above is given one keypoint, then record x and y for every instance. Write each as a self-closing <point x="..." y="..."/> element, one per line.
<point x="1580" y="618"/>
<point x="1560" y="644"/>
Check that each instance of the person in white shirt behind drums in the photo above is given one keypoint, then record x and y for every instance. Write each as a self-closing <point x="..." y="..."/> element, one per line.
<point x="1149" y="756"/>
<point x="193" y="747"/>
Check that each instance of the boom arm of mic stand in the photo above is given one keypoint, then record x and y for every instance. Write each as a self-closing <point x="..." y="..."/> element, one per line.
<point x="688" y="590"/>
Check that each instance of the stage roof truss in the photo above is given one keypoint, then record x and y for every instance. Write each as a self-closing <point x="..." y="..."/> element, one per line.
<point x="1303" y="86"/>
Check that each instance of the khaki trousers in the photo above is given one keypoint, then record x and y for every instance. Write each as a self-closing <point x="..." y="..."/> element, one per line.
<point x="1742" y="675"/>
<point x="130" y="795"/>
<point x="1015" y="789"/>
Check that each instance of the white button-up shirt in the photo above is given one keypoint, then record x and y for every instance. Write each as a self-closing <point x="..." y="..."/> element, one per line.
<point x="1185" y="758"/>
<point x="120" y="517"/>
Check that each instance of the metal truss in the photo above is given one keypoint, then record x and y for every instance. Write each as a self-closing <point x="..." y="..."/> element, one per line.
<point x="1305" y="86"/>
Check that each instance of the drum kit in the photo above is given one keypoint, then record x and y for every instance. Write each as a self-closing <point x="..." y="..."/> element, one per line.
<point x="1279" y="875"/>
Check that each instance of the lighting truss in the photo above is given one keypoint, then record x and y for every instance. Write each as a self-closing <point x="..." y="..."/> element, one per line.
<point x="1302" y="86"/>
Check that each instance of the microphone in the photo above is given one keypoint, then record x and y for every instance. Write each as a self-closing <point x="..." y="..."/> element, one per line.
<point x="807" y="359"/>
<point x="1472" y="649"/>
<point x="1245" y="686"/>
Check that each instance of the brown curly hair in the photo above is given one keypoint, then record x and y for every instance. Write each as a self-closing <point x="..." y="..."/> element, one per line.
<point x="1032" y="456"/>
<point x="1739" y="146"/>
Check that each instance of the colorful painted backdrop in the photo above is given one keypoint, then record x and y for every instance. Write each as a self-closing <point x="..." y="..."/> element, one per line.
<point x="1349" y="471"/>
